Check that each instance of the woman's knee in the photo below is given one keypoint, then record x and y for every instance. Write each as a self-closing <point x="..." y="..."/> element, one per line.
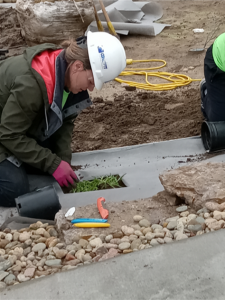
<point x="13" y="183"/>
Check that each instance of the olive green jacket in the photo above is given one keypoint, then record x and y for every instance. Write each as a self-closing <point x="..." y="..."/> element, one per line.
<point x="27" y="121"/>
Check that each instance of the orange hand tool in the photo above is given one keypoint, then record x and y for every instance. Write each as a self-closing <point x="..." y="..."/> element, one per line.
<point x="103" y="211"/>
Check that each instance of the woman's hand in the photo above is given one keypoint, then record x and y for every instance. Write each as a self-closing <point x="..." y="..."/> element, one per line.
<point x="64" y="174"/>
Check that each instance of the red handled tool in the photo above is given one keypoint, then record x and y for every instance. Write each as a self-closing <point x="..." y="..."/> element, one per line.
<point x="102" y="210"/>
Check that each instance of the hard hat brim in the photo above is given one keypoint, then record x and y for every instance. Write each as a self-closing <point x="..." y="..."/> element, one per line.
<point x="98" y="83"/>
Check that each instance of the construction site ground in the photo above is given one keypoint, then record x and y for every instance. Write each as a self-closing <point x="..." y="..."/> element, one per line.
<point x="120" y="118"/>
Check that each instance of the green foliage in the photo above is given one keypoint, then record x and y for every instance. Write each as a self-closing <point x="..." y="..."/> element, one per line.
<point x="102" y="183"/>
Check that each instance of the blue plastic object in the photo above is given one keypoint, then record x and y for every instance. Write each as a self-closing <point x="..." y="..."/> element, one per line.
<point x="74" y="221"/>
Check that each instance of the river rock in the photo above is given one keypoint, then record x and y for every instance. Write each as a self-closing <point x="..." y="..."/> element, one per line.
<point x="141" y="247"/>
<point x="125" y="239"/>
<point x="3" y="243"/>
<point x="136" y="226"/>
<point x="29" y="272"/>
<point x="144" y="223"/>
<point x="154" y="242"/>
<point x="10" y="279"/>
<point x="2" y="252"/>
<point x="159" y="234"/>
<point x="52" y="232"/>
<point x="39" y="246"/>
<point x="218" y="215"/>
<point x="135" y="244"/>
<point x="167" y="240"/>
<point x="216" y="225"/>
<point x="79" y="254"/>
<point x="124" y="245"/>
<point x="137" y="218"/>
<point x="28" y="242"/>
<point x="40" y="231"/>
<point x="184" y="214"/>
<point x="24" y="236"/>
<point x="180" y="236"/>
<point x="156" y="226"/>
<point x="172" y="219"/>
<point x="127" y="251"/>
<point x="22" y="278"/>
<point x="171" y="225"/>
<point x="138" y="233"/>
<point x="168" y="233"/>
<point x="9" y="237"/>
<point x="18" y="251"/>
<point x="51" y="242"/>
<point x="127" y="230"/>
<point x="202" y="210"/>
<point x="109" y="245"/>
<point x="96" y="243"/>
<point x="160" y="241"/>
<point x="132" y="237"/>
<point x="53" y="262"/>
<point x="112" y="253"/>
<point x="149" y="236"/>
<point x="101" y="250"/>
<point x="3" y="274"/>
<point x="180" y="225"/>
<point x="115" y="241"/>
<point x="73" y="262"/>
<point x="181" y="208"/>
<point x="41" y="262"/>
<point x="108" y="238"/>
<point x="2" y="285"/>
<point x="60" y="253"/>
<point x="209" y="221"/>
<point x="10" y="245"/>
<point x="195" y="228"/>
<point x="5" y="264"/>
<point x="191" y="217"/>
<point x="206" y="215"/>
<point x="69" y="257"/>
<point x="117" y="235"/>
<point x="87" y="257"/>
<point x="146" y="230"/>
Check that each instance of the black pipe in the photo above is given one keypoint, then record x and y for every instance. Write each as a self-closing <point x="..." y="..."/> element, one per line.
<point x="213" y="135"/>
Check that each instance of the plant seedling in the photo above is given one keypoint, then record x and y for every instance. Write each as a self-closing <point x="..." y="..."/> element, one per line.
<point x="102" y="183"/>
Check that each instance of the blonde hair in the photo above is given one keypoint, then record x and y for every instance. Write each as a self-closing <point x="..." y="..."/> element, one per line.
<point x="73" y="52"/>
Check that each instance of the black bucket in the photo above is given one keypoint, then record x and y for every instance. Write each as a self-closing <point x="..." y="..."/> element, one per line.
<point x="213" y="135"/>
<point x="40" y="204"/>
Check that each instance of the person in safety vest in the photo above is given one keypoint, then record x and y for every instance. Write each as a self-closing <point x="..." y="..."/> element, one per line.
<point x="212" y="87"/>
<point x="41" y="93"/>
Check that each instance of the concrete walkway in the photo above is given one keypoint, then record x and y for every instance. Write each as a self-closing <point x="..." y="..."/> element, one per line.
<point x="186" y="270"/>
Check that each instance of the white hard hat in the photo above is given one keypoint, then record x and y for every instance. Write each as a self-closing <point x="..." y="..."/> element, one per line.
<point x="107" y="57"/>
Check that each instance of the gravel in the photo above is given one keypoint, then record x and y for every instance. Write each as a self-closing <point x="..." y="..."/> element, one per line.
<point x="38" y="251"/>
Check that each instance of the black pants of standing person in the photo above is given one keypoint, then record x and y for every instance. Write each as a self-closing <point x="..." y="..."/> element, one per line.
<point x="16" y="181"/>
<point x="213" y="90"/>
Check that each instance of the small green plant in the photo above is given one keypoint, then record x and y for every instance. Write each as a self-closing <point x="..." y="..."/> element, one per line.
<point x="102" y="183"/>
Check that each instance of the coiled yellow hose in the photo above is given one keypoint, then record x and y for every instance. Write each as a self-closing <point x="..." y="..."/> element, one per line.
<point x="175" y="80"/>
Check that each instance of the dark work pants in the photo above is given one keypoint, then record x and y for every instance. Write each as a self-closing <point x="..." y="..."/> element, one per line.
<point x="213" y="91"/>
<point x="16" y="181"/>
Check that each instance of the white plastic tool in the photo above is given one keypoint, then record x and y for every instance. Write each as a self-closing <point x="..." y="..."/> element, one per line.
<point x="70" y="212"/>
<point x="198" y="30"/>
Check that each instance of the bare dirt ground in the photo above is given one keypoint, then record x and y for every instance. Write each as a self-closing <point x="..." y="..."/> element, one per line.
<point x="121" y="118"/>
<point x="155" y="209"/>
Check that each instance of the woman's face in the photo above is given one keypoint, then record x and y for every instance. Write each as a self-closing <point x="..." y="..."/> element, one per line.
<point x="78" y="79"/>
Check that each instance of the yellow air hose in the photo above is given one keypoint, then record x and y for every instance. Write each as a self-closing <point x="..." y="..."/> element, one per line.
<point x="175" y="80"/>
